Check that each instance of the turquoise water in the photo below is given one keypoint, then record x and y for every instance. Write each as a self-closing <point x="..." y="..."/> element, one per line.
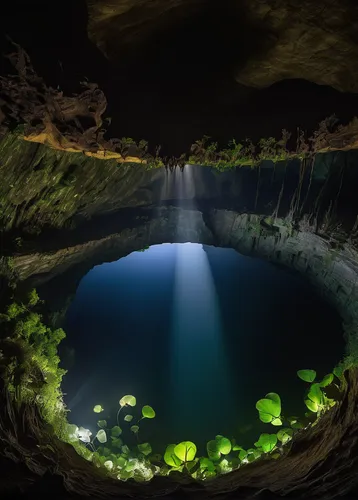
<point x="199" y="333"/>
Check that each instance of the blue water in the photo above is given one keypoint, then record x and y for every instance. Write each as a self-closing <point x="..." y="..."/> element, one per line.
<point x="199" y="333"/>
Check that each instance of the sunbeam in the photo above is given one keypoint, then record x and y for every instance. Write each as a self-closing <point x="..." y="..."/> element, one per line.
<point x="199" y="368"/>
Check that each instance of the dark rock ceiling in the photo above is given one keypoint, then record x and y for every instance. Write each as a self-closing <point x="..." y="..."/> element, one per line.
<point x="267" y="40"/>
<point x="174" y="70"/>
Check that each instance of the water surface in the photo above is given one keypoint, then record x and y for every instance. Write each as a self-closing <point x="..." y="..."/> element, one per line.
<point x="199" y="333"/>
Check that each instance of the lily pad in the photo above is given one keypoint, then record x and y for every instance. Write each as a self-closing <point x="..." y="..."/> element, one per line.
<point x="98" y="409"/>
<point x="128" y="418"/>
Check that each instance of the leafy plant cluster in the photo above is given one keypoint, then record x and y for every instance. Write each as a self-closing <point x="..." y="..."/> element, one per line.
<point x="28" y="355"/>
<point x="205" y="152"/>
<point x="108" y="449"/>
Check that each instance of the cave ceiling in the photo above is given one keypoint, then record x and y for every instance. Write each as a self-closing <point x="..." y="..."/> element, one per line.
<point x="267" y="40"/>
<point x="175" y="70"/>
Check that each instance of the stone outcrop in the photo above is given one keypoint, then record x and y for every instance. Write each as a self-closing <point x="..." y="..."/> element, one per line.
<point x="309" y="40"/>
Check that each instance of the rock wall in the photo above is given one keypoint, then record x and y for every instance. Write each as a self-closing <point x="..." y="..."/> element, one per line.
<point x="42" y="188"/>
<point x="332" y="271"/>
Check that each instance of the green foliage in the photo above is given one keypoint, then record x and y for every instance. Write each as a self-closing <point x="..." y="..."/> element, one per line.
<point x="327" y="380"/>
<point x="170" y="457"/>
<point x="148" y="412"/>
<point x="266" y="442"/>
<point x="102" y="423"/>
<point x="213" y="450"/>
<point x="128" y="418"/>
<point x="307" y="375"/>
<point x="185" y="451"/>
<point x="101" y="436"/>
<point x="128" y="401"/>
<point x="285" y="435"/>
<point x="116" y="431"/>
<point x="269" y="409"/>
<point x="206" y="464"/>
<point x="314" y="400"/>
<point x="145" y="448"/>
<point x="98" y="409"/>
<point x="32" y="368"/>
<point x="223" y="444"/>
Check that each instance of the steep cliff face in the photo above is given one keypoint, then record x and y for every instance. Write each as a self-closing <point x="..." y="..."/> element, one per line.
<point x="44" y="188"/>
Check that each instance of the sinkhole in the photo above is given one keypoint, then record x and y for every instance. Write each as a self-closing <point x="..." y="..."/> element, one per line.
<point x="200" y="334"/>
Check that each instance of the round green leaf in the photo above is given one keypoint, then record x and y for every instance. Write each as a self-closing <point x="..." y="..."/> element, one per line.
<point x="128" y="400"/>
<point x="102" y="423"/>
<point x="269" y="407"/>
<point x="213" y="450"/>
<point x="327" y="380"/>
<point x="148" y="412"/>
<point x="311" y="405"/>
<point x="108" y="464"/>
<point x="135" y="429"/>
<point x="307" y="375"/>
<point x="274" y="397"/>
<point x="276" y="421"/>
<point x="284" y="435"/>
<point x="338" y="371"/>
<point x="224" y="445"/>
<point x="101" y="436"/>
<point x="242" y="454"/>
<point x="170" y="457"/>
<point x="116" y="431"/>
<point x="186" y="451"/>
<point x="128" y="418"/>
<point x="266" y="442"/>
<point x="266" y="418"/>
<point x="98" y="409"/>
<point x="205" y="463"/>
<point x="315" y="394"/>
<point x="145" y="448"/>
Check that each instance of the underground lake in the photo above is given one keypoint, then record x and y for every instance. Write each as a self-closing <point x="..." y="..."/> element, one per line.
<point x="200" y="334"/>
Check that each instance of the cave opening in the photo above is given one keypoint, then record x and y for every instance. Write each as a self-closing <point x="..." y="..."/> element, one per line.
<point x="198" y="332"/>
